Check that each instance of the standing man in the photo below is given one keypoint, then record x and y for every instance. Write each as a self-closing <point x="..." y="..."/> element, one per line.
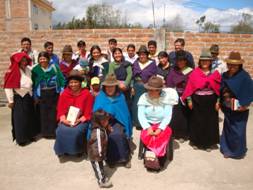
<point x="112" y="45"/>
<point x="217" y="63"/>
<point x="26" y="47"/>
<point x="179" y="45"/>
<point x="152" y="48"/>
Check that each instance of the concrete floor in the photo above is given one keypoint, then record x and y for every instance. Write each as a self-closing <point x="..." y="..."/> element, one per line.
<point x="35" y="167"/>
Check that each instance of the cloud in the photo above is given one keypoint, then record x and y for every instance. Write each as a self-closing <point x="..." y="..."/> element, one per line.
<point x="140" y="11"/>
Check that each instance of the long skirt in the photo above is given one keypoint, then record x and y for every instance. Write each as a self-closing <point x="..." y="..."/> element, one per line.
<point x="139" y="90"/>
<point x="48" y="103"/>
<point x="204" y="123"/>
<point x="118" y="150"/>
<point x="23" y="123"/>
<point x="233" y="138"/>
<point x="180" y="121"/>
<point x="70" y="140"/>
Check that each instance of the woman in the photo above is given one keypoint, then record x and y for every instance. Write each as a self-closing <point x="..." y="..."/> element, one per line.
<point x="202" y="92"/>
<point x="18" y="89"/>
<point x="67" y="64"/>
<point x="177" y="78"/>
<point x="112" y="101"/>
<point x="123" y="71"/>
<point x="143" y="69"/>
<point x="48" y="82"/>
<point x="98" y="64"/>
<point x="163" y="67"/>
<point x="70" y="134"/>
<point x="236" y="97"/>
<point x="154" y="114"/>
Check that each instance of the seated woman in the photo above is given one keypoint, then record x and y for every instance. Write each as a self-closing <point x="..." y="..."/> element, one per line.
<point x="111" y="100"/>
<point x="70" y="134"/>
<point x="154" y="113"/>
<point x="236" y="97"/>
<point x="18" y="89"/>
<point x="48" y="82"/>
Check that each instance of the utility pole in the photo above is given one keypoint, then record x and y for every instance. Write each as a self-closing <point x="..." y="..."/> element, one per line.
<point x="164" y="7"/>
<point x="153" y="8"/>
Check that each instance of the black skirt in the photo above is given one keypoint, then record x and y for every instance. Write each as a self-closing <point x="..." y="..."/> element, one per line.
<point x="180" y="121"/>
<point x="48" y="103"/>
<point x="204" y="122"/>
<point x="24" y="127"/>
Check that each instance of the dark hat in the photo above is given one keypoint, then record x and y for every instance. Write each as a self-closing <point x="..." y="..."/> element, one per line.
<point x="110" y="80"/>
<point x="100" y="115"/>
<point x="234" y="58"/>
<point x="205" y="54"/>
<point x="214" y="48"/>
<point x="154" y="83"/>
<point x="181" y="55"/>
<point x="143" y="49"/>
<point x="67" y="49"/>
<point x="75" y="75"/>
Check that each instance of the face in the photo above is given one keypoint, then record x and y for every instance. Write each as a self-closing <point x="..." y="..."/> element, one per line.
<point x="74" y="85"/>
<point x="233" y="68"/>
<point x="96" y="87"/>
<point x="82" y="48"/>
<point x="205" y="64"/>
<point x="67" y="57"/>
<point x="181" y="64"/>
<point x="26" y="46"/>
<point x="118" y="56"/>
<point x="143" y="57"/>
<point x="214" y="55"/>
<point x="131" y="52"/>
<point x="43" y="61"/>
<point x="49" y="49"/>
<point x="112" y="45"/>
<point x="178" y="46"/>
<point x="23" y="63"/>
<point x="96" y="54"/>
<point x="104" y="122"/>
<point x="163" y="60"/>
<point x="154" y="93"/>
<point x="110" y="90"/>
<point x="152" y="49"/>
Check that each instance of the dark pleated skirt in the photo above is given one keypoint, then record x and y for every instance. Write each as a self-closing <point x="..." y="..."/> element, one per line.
<point x="180" y="121"/>
<point x="70" y="140"/>
<point x="24" y="127"/>
<point x="139" y="90"/>
<point x="48" y="103"/>
<point x="118" y="150"/>
<point x="204" y="123"/>
<point x="233" y="138"/>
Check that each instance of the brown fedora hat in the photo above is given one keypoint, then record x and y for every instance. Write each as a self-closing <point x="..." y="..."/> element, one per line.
<point x="154" y="83"/>
<point x="67" y="49"/>
<point x="234" y="58"/>
<point x="110" y="80"/>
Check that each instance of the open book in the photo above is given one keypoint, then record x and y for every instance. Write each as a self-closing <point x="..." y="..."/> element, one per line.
<point x="73" y="114"/>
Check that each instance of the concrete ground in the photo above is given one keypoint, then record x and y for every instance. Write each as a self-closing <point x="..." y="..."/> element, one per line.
<point x="36" y="167"/>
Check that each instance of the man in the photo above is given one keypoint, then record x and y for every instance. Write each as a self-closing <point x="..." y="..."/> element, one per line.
<point x="112" y="45"/>
<point x="217" y="63"/>
<point x="152" y="48"/>
<point x="130" y="56"/>
<point x="26" y="46"/>
<point x="49" y="48"/>
<point x="179" y="45"/>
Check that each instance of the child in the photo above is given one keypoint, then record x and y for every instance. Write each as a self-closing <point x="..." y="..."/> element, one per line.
<point x="97" y="145"/>
<point x="95" y="86"/>
<point x="83" y="68"/>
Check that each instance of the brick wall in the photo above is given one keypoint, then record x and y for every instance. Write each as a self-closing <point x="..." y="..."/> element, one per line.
<point x="10" y="42"/>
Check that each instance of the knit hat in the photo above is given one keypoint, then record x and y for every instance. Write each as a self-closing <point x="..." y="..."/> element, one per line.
<point x="234" y="58"/>
<point x="154" y="83"/>
<point x="110" y="80"/>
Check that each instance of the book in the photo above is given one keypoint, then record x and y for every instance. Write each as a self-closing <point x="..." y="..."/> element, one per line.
<point x="235" y="105"/>
<point x="73" y="114"/>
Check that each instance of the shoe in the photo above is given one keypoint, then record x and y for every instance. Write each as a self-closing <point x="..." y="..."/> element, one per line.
<point x="128" y="164"/>
<point x="106" y="184"/>
<point x="181" y="140"/>
<point x="208" y="149"/>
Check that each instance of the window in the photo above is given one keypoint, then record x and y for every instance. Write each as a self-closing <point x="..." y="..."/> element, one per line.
<point x="35" y="26"/>
<point x="35" y="10"/>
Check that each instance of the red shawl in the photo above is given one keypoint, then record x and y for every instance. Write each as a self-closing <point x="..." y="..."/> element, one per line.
<point x="12" y="76"/>
<point x="198" y="80"/>
<point x="84" y="101"/>
<point x="65" y="69"/>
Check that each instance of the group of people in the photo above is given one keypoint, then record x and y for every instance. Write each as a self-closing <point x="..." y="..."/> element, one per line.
<point x="96" y="98"/>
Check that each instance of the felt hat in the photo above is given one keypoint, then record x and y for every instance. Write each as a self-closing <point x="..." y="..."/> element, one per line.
<point x="110" y="80"/>
<point x="67" y="49"/>
<point x="205" y="54"/>
<point x="154" y="83"/>
<point x="234" y="58"/>
<point x="75" y="75"/>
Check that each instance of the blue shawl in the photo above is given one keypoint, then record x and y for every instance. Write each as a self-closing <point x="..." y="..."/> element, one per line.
<point x="241" y="85"/>
<point x="117" y="107"/>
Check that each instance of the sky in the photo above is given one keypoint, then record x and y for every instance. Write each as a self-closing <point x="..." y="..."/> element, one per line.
<point x="223" y="12"/>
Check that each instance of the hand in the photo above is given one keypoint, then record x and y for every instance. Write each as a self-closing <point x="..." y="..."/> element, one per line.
<point x="122" y="86"/>
<point x="77" y="122"/>
<point x="66" y="122"/>
<point x="217" y="106"/>
<point x="132" y="91"/>
<point x="190" y="105"/>
<point x="11" y="105"/>
<point x="150" y="131"/>
<point x="157" y="132"/>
